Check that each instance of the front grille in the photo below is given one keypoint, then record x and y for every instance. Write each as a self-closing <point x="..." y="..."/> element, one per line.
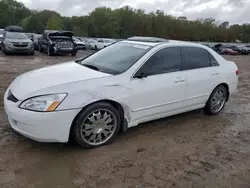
<point x="20" y="45"/>
<point x="11" y="97"/>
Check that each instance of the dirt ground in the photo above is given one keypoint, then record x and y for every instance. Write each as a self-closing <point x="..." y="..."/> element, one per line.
<point x="187" y="150"/>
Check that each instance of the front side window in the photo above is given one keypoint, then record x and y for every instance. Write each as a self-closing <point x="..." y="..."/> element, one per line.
<point x="164" y="61"/>
<point x="196" y="58"/>
<point x="116" y="58"/>
<point x="101" y="41"/>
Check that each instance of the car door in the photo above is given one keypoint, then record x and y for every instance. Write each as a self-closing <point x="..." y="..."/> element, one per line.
<point x="159" y="86"/>
<point x="202" y="75"/>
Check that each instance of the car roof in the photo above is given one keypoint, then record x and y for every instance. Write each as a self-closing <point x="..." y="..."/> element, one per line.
<point x="169" y="42"/>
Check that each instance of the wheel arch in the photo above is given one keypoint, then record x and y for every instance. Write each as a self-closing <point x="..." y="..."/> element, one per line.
<point x="115" y="104"/>
<point x="226" y="86"/>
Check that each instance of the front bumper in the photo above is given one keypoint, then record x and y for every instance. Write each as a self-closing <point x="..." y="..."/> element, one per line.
<point x="40" y="126"/>
<point x="12" y="49"/>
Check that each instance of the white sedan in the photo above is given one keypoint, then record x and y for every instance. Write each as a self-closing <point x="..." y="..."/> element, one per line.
<point x="118" y="87"/>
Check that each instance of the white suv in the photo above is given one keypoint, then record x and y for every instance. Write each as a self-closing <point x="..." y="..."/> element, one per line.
<point x="118" y="87"/>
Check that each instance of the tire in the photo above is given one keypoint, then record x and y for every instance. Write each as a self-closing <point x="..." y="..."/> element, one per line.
<point x="96" y="47"/>
<point x="48" y="51"/>
<point x="40" y="48"/>
<point x="212" y="101"/>
<point x="32" y="53"/>
<point x="84" y="134"/>
<point x="73" y="54"/>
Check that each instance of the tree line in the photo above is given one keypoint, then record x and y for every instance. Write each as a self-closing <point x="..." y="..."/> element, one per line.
<point x="122" y="23"/>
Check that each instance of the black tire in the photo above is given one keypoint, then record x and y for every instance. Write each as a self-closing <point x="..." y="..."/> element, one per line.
<point x="96" y="47"/>
<point x="76" y="131"/>
<point x="32" y="53"/>
<point x="48" y="51"/>
<point x="208" y="109"/>
<point x="40" y="49"/>
<point x="73" y="54"/>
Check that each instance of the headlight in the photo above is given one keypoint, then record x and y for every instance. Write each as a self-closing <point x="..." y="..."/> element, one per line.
<point x="7" y="43"/>
<point x="45" y="103"/>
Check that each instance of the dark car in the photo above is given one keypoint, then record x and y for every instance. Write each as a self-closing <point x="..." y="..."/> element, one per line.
<point x="240" y="50"/>
<point x="57" y="42"/>
<point x="217" y="48"/>
<point x="1" y="36"/>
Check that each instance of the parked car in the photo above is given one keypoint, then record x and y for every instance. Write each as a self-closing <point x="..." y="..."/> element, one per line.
<point x="102" y="43"/>
<point x="248" y="48"/>
<point x="1" y="36"/>
<point x="30" y="35"/>
<point x="240" y="49"/>
<point x="228" y="51"/>
<point x="127" y="83"/>
<point x="36" y="38"/>
<point x="91" y="44"/>
<point x="217" y="48"/>
<point x="80" y="43"/>
<point x="57" y="42"/>
<point x="16" y="42"/>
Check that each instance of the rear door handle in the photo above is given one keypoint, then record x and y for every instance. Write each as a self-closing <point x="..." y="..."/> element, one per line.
<point x="215" y="73"/>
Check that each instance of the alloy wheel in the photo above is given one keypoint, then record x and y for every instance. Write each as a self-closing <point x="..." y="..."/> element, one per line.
<point x="98" y="127"/>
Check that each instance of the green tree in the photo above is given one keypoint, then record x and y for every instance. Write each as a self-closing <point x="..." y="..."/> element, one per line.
<point x="55" y="23"/>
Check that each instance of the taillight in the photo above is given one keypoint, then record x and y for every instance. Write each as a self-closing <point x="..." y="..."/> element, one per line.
<point x="237" y="72"/>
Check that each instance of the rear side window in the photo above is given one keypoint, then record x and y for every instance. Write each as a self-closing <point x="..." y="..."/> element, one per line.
<point x="164" y="61"/>
<point x="196" y="58"/>
<point x="213" y="60"/>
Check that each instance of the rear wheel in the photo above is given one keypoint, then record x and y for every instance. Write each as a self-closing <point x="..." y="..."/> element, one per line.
<point x="97" y="125"/>
<point x="95" y="47"/>
<point x="217" y="100"/>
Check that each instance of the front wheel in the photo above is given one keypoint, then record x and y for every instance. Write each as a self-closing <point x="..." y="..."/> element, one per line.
<point x="48" y="51"/>
<point x="217" y="100"/>
<point x="97" y="125"/>
<point x="73" y="54"/>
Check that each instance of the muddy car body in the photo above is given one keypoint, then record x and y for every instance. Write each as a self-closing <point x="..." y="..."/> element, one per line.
<point x="58" y="42"/>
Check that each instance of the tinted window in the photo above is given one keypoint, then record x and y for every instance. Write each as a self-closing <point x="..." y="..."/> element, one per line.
<point x="196" y="58"/>
<point x="116" y="58"/>
<point x="213" y="61"/>
<point x="163" y="61"/>
<point x="101" y="41"/>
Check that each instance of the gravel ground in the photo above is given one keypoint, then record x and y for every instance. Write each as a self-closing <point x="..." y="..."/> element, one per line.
<point x="187" y="150"/>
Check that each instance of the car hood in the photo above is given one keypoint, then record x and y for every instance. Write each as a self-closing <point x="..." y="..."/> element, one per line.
<point x="18" y="40"/>
<point x="24" y="85"/>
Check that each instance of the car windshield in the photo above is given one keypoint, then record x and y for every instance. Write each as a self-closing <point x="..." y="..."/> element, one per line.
<point x="116" y="58"/>
<point x="107" y="41"/>
<point x="1" y="31"/>
<point x="77" y="40"/>
<point x="16" y="35"/>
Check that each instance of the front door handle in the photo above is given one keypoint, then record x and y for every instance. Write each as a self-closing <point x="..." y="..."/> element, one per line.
<point x="177" y="80"/>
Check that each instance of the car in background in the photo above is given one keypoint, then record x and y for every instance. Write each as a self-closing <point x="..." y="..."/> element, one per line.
<point x="102" y="43"/>
<point x="1" y="36"/>
<point x="248" y="48"/>
<point x="240" y="49"/>
<point x="229" y="51"/>
<point x="36" y="38"/>
<point x="217" y="48"/>
<point x="80" y="43"/>
<point x="57" y="42"/>
<point x="17" y="42"/>
<point x="91" y="44"/>
<point x="94" y="99"/>
<point x="30" y="35"/>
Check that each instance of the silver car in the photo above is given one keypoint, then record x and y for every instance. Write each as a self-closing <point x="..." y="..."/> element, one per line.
<point x="16" y="42"/>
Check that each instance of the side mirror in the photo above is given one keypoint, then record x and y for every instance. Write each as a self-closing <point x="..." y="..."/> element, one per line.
<point x="140" y="75"/>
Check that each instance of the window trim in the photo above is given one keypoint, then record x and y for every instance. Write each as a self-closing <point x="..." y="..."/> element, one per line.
<point x="185" y="58"/>
<point x="145" y="61"/>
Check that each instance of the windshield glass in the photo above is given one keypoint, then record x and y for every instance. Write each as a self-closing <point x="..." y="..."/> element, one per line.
<point x="77" y="40"/>
<point x="107" y="41"/>
<point x="116" y="58"/>
<point x="15" y="35"/>
<point x="1" y="31"/>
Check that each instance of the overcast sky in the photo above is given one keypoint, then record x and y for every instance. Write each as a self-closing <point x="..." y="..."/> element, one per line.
<point x="234" y="11"/>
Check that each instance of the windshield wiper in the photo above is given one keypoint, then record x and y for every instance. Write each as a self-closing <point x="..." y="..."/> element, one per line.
<point x="91" y="67"/>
